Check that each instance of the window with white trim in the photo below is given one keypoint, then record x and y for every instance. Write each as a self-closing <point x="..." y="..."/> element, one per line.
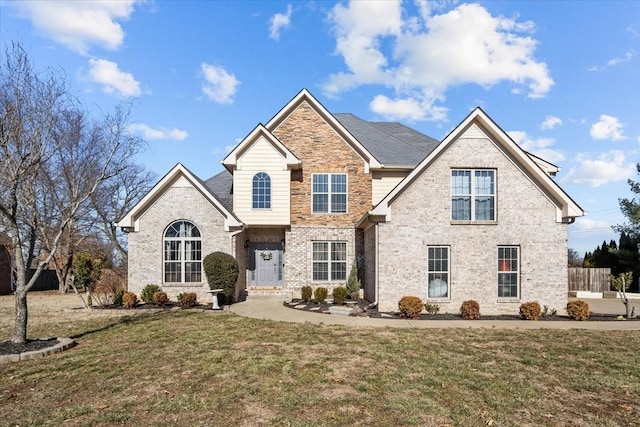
<point x="182" y="253"/>
<point x="261" y="191"/>
<point x="329" y="192"/>
<point x="329" y="261"/>
<point x="508" y="271"/>
<point x="473" y="195"/>
<point x="438" y="271"/>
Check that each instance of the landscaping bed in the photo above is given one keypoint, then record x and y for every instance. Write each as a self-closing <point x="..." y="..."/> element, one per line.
<point x="360" y="309"/>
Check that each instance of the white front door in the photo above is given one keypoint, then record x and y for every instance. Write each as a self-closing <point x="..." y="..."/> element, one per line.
<point x="268" y="267"/>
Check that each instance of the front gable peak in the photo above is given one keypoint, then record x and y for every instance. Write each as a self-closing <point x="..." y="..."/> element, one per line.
<point x="304" y="96"/>
<point x="178" y="176"/>
<point x="260" y="131"/>
<point x="478" y="124"/>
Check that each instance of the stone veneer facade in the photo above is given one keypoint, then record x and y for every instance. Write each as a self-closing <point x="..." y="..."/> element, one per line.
<point x="322" y="150"/>
<point x="525" y="217"/>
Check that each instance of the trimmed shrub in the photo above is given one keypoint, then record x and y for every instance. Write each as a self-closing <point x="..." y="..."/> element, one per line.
<point x="353" y="283"/>
<point x="187" y="299"/>
<point x="320" y="294"/>
<point x="432" y="308"/>
<point x="578" y="310"/>
<point x="160" y="298"/>
<point x="339" y="295"/>
<point x="222" y="272"/>
<point x="410" y="307"/>
<point x="129" y="300"/>
<point x="530" y="310"/>
<point x="117" y="297"/>
<point x="307" y="293"/>
<point x="470" y="310"/>
<point x="147" y="293"/>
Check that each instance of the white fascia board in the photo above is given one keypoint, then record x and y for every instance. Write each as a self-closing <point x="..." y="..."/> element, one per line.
<point x="130" y="220"/>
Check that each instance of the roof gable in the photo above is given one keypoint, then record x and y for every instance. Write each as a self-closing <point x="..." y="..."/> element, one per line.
<point x="231" y="161"/>
<point x="305" y="96"/>
<point x="177" y="173"/>
<point x="567" y="208"/>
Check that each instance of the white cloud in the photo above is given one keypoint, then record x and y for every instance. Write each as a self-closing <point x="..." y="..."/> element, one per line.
<point x="421" y="57"/>
<point x="628" y="56"/>
<point x="540" y="147"/>
<point x="160" y="133"/>
<point x="606" y="168"/>
<point x="408" y="109"/>
<point x="78" y="24"/>
<point x="550" y="122"/>
<point x="608" y="127"/>
<point x="589" y="224"/>
<point x="219" y="86"/>
<point x="114" y="80"/>
<point x="280" y="21"/>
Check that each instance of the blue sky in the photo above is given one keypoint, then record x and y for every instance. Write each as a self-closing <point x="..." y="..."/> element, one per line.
<point x="562" y="78"/>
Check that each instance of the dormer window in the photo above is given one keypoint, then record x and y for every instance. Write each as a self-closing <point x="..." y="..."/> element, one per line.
<point x="261" y="191"/>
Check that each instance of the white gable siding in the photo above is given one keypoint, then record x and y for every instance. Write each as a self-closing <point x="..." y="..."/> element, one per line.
<point x="261" y="156"/>
<point x="525" y="217"/>
<point x="383" y="182"/>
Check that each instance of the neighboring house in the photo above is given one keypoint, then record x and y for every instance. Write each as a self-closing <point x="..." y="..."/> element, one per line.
<point x="303" y="196"/>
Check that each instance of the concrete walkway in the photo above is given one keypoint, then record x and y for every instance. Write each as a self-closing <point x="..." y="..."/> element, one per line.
<point x="273" y="309"/>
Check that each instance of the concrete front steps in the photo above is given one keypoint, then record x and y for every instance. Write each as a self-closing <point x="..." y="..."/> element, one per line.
<point x="266" y="292"/>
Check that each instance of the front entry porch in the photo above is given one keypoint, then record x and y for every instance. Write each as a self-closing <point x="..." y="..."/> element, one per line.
<point x="266" y="265"/>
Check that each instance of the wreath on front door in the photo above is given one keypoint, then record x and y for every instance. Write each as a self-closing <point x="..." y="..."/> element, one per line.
<point x="266" y="256"/>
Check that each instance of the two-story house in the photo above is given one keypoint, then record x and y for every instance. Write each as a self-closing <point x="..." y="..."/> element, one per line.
<point x="304" y="195"/>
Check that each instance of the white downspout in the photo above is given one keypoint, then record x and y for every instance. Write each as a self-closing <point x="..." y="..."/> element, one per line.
<point x="377" y="259"/>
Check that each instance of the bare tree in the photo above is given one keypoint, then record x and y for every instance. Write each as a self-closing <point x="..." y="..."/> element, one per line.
<point x="113" y="200"/>
<point x="52" y="160"/>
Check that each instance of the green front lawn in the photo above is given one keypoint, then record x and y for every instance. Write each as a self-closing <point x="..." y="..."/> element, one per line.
<point x="194" y="368"/>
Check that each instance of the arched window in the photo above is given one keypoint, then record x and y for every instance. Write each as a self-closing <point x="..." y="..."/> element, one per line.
<point x="261" y="191"/>
<point x="182" y="253"/>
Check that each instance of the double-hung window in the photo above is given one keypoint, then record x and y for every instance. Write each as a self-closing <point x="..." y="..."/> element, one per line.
<point x="508" y="272"/>
<point x="329" y="261"/>
<point x="438" y="271"/>
<point x="182" y="253"/>
<point x="473" y="195"/>
<point x="261" y="191"/>
<point x="329" y="192"/>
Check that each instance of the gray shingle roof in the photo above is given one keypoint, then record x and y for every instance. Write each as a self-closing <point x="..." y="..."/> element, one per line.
<point x="392" y="144"/>
<point x="221" y="185"/>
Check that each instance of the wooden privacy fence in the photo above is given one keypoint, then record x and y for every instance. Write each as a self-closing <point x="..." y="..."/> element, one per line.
<point x="589" y="279"/>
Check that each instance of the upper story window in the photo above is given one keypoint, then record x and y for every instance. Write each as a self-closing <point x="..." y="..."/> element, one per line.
<point x="329" y="192"/>
<point x="473" y="195"/>
<point x="261" y="191"/>
<point x="182" y="253"/>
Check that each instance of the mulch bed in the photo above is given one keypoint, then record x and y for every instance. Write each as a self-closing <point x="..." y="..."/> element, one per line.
<point x="362" y="310"/>
<point x="7" y="347"/>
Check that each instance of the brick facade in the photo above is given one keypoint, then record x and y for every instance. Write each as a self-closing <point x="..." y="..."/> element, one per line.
<point x="146" y="245"/>
<point x="421" y="216"/>
<point x="392" y="255"/>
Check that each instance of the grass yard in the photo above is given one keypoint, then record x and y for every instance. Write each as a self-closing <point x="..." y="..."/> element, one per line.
<point x="194" y="368"/>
